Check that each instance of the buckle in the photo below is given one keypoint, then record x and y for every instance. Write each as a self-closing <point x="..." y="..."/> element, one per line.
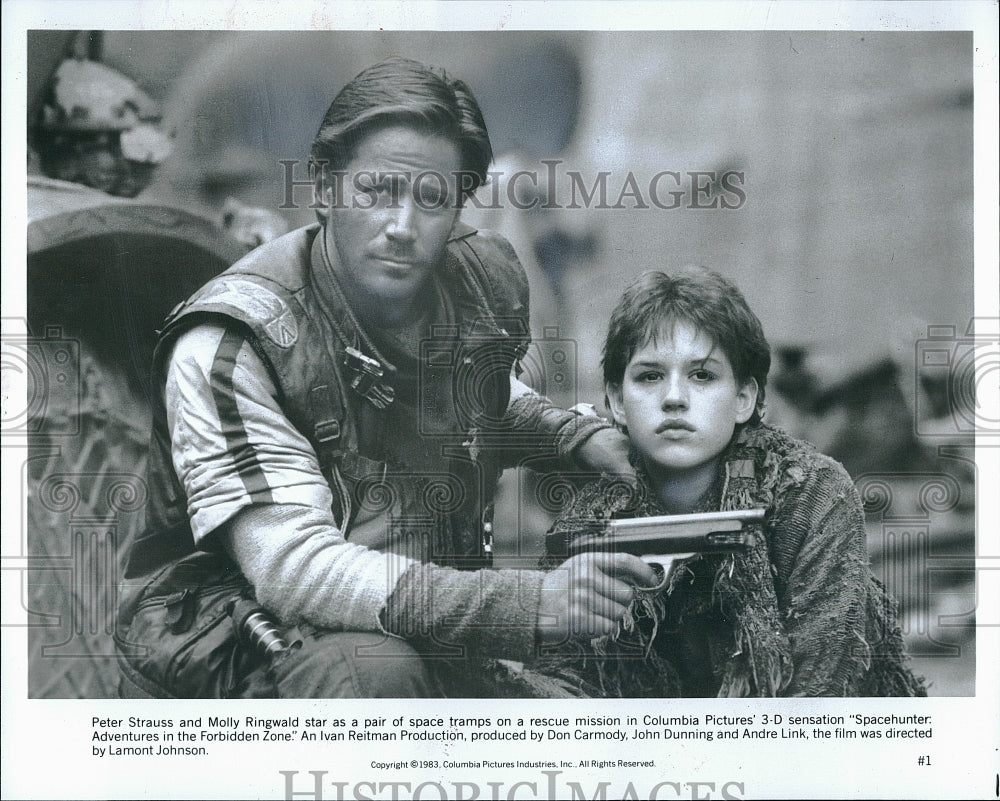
<point x="366" y="373"/>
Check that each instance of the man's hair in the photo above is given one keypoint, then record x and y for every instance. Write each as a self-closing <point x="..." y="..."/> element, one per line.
<point x="697" y="296"/>
<point x="399" y="91"/>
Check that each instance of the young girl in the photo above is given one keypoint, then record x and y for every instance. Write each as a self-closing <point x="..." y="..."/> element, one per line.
<point x="799" y="613"/>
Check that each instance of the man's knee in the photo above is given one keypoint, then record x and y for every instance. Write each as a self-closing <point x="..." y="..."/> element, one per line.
<point x="353" y="665"/>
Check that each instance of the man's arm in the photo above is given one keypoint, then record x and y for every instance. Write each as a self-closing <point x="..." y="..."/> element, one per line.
<point x="255" y="485"/>
<point x="510" y="613"/>
<point x="536" y="427"/>
<point x="580" y="440"/>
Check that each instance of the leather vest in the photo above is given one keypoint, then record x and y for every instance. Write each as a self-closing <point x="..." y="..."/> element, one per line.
<point x="433" y="508"/>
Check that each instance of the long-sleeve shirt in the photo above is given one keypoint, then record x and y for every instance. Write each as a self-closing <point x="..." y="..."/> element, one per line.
<point x="253" y="480"/>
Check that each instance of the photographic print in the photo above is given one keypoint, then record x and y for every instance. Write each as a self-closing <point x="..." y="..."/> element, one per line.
<point x="599" y="405"/>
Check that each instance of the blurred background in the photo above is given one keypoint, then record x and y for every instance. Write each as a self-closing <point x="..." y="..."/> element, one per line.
<point x="828" y="174"/>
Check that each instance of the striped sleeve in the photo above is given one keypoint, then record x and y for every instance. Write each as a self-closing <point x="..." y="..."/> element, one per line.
<point x="232" y="445"/>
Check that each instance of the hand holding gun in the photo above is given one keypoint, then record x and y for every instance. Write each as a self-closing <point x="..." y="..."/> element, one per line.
<point x="665" y="540"/>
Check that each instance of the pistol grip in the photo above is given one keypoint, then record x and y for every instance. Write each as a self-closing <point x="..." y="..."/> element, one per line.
<point x="667" y="565"/>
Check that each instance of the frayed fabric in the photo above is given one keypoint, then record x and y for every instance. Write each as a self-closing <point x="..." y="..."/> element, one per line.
<point x="797" y="614"/>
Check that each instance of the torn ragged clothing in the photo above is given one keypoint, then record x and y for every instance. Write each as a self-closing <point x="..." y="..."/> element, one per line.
<point x="798" y="614"/>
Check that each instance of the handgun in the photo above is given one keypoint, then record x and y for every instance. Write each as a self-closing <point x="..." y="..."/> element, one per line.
<point x="664" y="540"/>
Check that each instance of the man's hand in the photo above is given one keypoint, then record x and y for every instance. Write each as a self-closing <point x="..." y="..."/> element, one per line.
<point x="587" y="595"/>
<point x="605" y="451"/>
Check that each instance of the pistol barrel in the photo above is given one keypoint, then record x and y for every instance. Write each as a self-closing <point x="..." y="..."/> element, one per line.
<point x="710" y="532"/>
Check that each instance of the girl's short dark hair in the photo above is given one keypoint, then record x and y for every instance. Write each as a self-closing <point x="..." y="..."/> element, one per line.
<point x="702" y="298"/>
<point x="400" y="91"/>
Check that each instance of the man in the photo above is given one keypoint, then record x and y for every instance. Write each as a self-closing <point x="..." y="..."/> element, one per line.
<point x="337" y="408"/>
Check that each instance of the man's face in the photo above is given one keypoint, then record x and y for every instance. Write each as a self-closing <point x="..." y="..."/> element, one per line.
<point x="680" y="401"/>
<point x="392" y="213"/>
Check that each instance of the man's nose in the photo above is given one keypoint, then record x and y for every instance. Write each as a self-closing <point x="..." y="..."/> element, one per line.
<point x="674" y="396"/>
<point x="402" y="222"/>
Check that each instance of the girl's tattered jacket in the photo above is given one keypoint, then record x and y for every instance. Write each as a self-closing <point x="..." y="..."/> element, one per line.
<point x="800" y="613"/>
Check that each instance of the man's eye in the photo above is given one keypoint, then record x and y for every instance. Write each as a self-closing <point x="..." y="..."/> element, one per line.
<point x="375" y="188"/>
<point x="648" y="377"/>
<point x="430" y="197"/>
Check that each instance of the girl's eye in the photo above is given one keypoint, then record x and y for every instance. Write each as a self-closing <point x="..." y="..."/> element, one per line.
<point x="703" y="375"/>
<point x="648" y="377"/>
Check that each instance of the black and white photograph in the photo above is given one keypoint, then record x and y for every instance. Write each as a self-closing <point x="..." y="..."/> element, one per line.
<point x="490" y="400"/>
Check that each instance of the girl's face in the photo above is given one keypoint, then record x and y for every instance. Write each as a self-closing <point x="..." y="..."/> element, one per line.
<point x="680" y="400"/>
